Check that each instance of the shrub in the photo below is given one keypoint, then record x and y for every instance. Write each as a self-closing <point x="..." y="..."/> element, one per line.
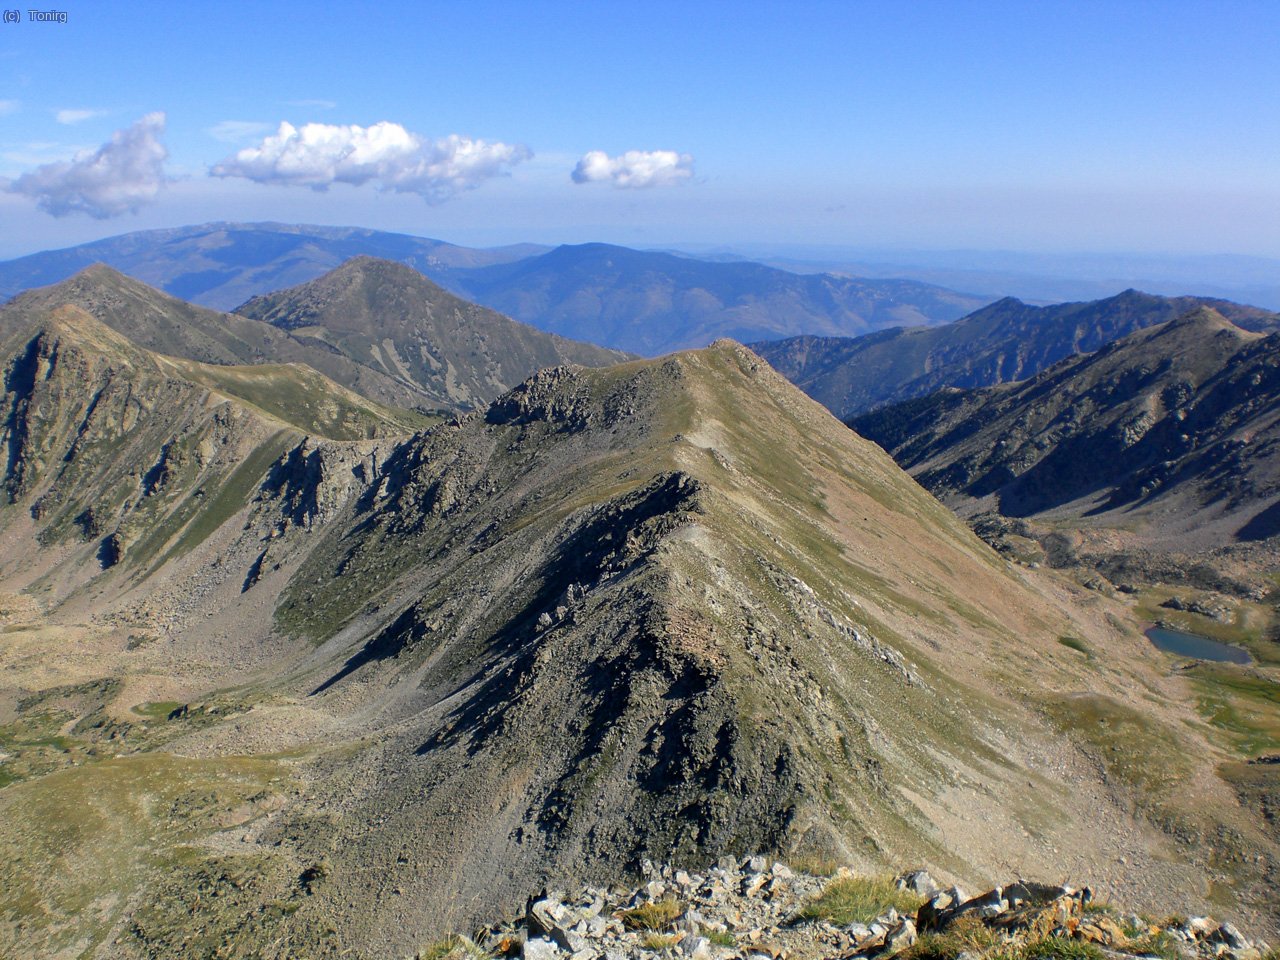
<point x="721" y="938"/>
<point x="652" y="916"/>
<point x="1156" y="943"/>
<point x="658" y="941"/>
<point x="966" y="934"/>
<point x="1059" y="948"/>
<point x="452" y="947"/>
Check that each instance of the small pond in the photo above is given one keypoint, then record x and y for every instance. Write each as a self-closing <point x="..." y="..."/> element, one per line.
<point x="1196" y="647"/>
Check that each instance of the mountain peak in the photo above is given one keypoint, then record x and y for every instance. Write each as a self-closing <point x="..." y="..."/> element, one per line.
<point x="1204" y="316"/>
<point x="391" y="318"/>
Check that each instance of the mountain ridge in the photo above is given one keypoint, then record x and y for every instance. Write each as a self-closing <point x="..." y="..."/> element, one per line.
<point x="314" y="695"/>
<point x="1007" y="340"/>
<point x="419" y="333"/>
<point x="1171" y="424"/>
<point x="651" y="302"/>
<point x="166" y="325"/>
<point x="222" y="265"/>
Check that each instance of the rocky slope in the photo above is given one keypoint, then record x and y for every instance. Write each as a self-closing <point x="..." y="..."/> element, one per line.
<point x="389" y="316"/>
<point x="649" y="302"/>
<point x="162" y="324"/>
<point x="660" y="610"/>
<point x="127" y="453"/>
<point x="1003" y="342"/>
<point x="1171" y="431"/>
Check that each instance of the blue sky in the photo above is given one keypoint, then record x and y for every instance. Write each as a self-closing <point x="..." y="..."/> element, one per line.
<point x="1019" y="126"/>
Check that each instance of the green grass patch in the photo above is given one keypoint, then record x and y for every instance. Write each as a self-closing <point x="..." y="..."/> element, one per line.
<point x="1158" y="943"/>
<point x="848" y="900"/>
<point x="156" y="709"/>
<point x="814" y="865"/>
<point x="1054" y="948"/>
<point x="78" y="844"/>
<point x="1244" y="704"/>
<point x="452" y="947"/>
<point x="230" y="496"/>
<point x="721" y="938"/>
<point x="1134" y="748"/>
<point x="966" y="934"/>
<point x="1076" y="644"/>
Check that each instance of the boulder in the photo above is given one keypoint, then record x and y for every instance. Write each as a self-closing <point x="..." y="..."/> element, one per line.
<point x="918" y="881"/>
<point x="540" y="948"/>
<point x="901" y="936"/>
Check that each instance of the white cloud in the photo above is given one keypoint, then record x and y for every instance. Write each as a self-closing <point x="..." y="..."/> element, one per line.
<point x="9" y="106"/>
<point x="635" y="168"/>
<point x="77" y="116"/>
<point x="119" y="177"/>
<point x="234" y="131"/>
<point x="318" y="155"/>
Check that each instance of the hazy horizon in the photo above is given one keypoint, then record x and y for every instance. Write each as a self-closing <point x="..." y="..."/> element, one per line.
<point x="1144" y="128"/>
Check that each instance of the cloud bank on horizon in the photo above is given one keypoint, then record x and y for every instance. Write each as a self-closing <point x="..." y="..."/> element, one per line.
<point x="635" y="169"/>
<point x="318" y="155"/>
<point x="121" y="176"/>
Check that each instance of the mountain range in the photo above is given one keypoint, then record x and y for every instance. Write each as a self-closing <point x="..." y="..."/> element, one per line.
<point x="350" y="693"/>
<point x="651" y="303"/>
<point x="638" y="301"/>
<point x="1005" y="341"/>
<point x="1170" y="432"/>
<point x="287" y="671"/>
<point x="221" y="265"/>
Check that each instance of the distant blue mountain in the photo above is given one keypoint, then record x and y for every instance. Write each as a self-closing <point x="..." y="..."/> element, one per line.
<point x="221" y="265"/>
<point x="652" y="302"/>
<point x="643" y="302"/>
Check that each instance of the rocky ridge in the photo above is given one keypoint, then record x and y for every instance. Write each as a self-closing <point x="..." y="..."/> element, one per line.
<point x="760" y="909"/>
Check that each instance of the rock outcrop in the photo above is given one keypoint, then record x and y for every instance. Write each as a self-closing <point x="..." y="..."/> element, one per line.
<point x="759" y="909"/>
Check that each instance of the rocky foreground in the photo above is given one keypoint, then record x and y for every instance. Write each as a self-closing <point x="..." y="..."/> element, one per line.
<point x="763" y="910"/>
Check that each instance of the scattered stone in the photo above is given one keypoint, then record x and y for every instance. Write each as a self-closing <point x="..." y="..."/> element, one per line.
<point x="755" y="909"/>
<point x="918" y="881"/>
<point x="539" y="948"/>
<point x="900" y="937"/>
